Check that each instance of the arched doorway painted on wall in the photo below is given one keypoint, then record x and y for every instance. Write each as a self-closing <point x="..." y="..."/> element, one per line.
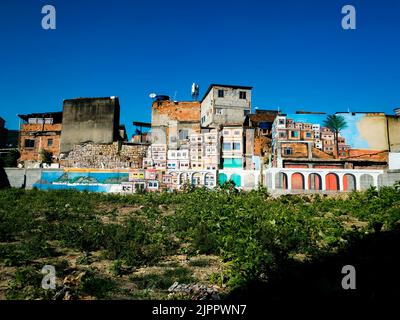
<point x="332" y="182"/>
<point x="297" y="181"/>
<point x="222" y="178"/>
<point x="366" y="181"/>
<point x="314" y="181"/>
<point x="236" y="179"/>
<point x="209" y="180"/>
<point x="349" y="182"/>
<point x="281" y="180"/>
<point x="196" y="179"/>
<point x="249" y="181"/>
<point x="184" y="177"/>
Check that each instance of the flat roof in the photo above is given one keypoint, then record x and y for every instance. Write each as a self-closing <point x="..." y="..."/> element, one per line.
<point x="91" y="98"/>
<point x="224" y="86"/>
<point x="381" y="112"/>
<point x="309" y="112"/>
<point x="141" y="124"/>
<point x="55" y="115"/>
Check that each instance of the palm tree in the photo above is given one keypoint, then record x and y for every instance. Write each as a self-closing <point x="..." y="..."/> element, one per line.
<point x="336" y="124"/>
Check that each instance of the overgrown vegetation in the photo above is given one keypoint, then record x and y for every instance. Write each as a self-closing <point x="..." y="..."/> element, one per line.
<point x="46" y="156"/>
<point x="252" y="233"/>
<point x="10" y="160"/>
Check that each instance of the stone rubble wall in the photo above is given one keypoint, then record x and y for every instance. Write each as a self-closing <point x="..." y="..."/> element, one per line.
<point x="105" y="156"/>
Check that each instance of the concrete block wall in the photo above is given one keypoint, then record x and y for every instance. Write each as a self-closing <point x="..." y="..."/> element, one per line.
<point x="16" y="177"/>
<point x="24" y="178"/>
<point x="389" y="178"/>
<point x="32" y="176"/>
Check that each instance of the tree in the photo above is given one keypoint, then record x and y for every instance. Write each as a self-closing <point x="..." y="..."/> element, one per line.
<point x="336" y="124"/>
<point x="47" y="156"/>
<point x="11" y="159"/>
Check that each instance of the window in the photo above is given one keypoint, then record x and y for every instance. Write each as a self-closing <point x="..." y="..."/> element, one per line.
<point x="227" y="146"/>
<point x="308" y="134"/>
<point x="294" y="134"/>
<point x="236" y="146"/>
<point x="287" y="151"/>
<point x="218" y="111"/>
<point x="153" y="184"/>
<point x="226" y="133"/>
<point x="183" y="134"/>
<point x="282" y="135"/>
<point x="281" y="121"/>
<point x="237" y="133"/>
<point x="29" y="143"/>
<point x="220" y="93"/>
<point x="242" y="94"/>
<point x="50" y="142"/>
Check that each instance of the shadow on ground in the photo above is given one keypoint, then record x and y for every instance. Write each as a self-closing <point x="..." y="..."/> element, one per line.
<point x="4" y="183"/>
<point x="376" y="258"/>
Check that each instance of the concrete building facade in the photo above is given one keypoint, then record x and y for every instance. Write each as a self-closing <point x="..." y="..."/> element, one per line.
<point x="225" y="105"/>
<point x="172" y="122"/>
<point x="94" y="120"/>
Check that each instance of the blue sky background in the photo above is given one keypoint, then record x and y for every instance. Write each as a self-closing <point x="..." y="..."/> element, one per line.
<point x="294" y="53"/>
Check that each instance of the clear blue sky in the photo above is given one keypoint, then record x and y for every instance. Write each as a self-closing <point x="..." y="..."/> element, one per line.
<point x="294" y="53"/>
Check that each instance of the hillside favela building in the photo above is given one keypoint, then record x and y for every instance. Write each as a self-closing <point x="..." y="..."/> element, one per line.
<point x="220" y="138"/>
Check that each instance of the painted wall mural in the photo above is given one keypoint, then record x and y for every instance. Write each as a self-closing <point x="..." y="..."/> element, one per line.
<point x="360" y="134"/>
<point x="95" y="181"/>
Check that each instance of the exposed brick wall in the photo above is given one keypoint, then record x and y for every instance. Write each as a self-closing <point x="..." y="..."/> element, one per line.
<point x="180" y="111"/>
<point x="41" y="133"/>
<point x="316" y="153"/>
<point x="262" y="145"/>
<point x="168" y="118"/>
<point x="107" y="156"/>
<point x="299" y="150"/>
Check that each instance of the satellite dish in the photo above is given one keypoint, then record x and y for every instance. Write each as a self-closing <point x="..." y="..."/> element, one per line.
<point x="152" y="95"/>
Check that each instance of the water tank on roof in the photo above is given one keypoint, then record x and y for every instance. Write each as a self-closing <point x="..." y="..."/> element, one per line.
<point x="161" y="98"/>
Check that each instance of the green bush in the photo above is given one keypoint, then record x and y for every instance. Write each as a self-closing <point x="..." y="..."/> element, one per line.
<point x="252" y="233"/>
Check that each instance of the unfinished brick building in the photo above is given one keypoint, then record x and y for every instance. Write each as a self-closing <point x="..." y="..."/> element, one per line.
<point x="39" y="131"/>
<point x="259" y="141"/>
<point x="173" y="122"/>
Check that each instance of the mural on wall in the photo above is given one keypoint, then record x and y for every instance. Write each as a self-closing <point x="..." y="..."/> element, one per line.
<point x="354" y="135"/>
<point x="81" y="180"/>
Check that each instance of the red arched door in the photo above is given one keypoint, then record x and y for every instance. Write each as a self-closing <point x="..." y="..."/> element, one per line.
<point x="332" y="182"/>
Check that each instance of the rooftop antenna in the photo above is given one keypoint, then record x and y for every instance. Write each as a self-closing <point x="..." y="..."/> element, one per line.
<point x="348" y="109"/>
<point x="195" y="91"/>
<point x="175" y="93"/>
